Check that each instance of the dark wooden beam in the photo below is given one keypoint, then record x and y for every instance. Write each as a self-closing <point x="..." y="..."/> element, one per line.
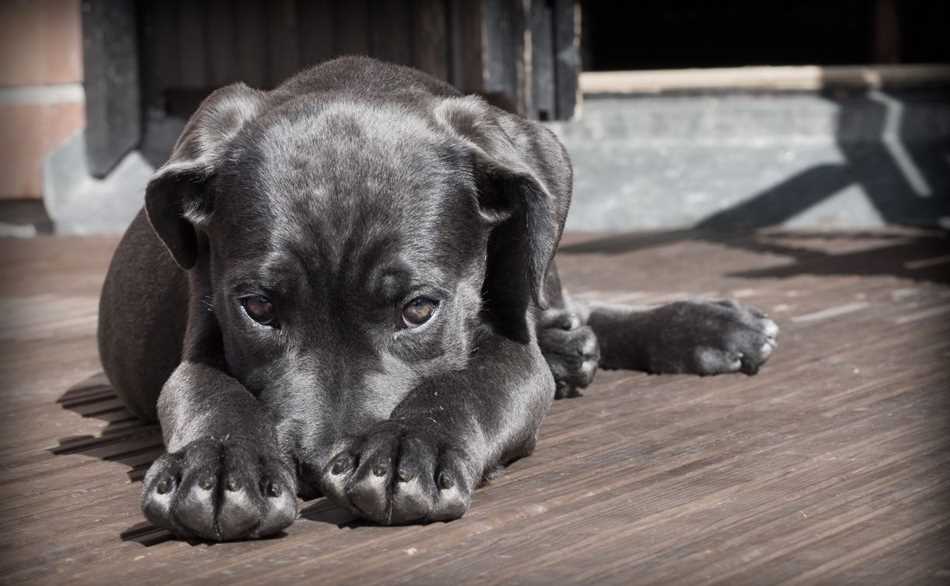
<point x="391" y="31"/>
<point x="465" y="44"/>
<point x="352" y="28"/>
<point x="522" y="55"/>
<point x="220" y="27"/>
<point x="541" y="65"/>
<point x="159" y="50"/>
<point x="193" y="44"/>
<point x="315" y="29"/>
<point x="431" y="37"/>
<point x="885" y="41"/>
<point x="504" y="58"/>
<point x="251" y="48"/>
<point x="111" y="71"/>
<point x="283" y="50"/>
<point x="567" y="24"/>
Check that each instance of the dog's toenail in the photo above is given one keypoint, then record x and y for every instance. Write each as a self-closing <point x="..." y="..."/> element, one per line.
<point x="164" y="486"/>
<point x="405" y="475"/>
<point x="380" y="469"/>
<point x="445" y="481"/>
<point x="206" y="483"/>
<point x="233" y="484"/>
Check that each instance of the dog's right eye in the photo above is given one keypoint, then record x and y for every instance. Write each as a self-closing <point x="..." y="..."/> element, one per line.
<point x="259" y="308"/>
<point x="418" y="311"/>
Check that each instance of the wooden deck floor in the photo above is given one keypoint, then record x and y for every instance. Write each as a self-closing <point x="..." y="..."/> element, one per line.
<point x="832" y="466"/>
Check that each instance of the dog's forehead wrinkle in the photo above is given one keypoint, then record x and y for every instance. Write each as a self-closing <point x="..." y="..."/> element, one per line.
<point x="270" y="269"/>
<point x="343" y="248"/>
<point x="345" y="128"/>
<point x="340" y="177"/>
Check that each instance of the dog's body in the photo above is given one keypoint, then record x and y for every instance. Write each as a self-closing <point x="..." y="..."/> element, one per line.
<point x="345" y="287"/>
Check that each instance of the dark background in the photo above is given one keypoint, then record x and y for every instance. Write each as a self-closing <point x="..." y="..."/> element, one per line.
<point x="663" y="34"/>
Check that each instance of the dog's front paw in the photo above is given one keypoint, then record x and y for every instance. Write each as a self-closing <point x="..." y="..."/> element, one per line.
<point x="220" y="490"/>
<point x="401" y="473"/>
<point x="570" y="349"/>
<point x="711" y="337"/>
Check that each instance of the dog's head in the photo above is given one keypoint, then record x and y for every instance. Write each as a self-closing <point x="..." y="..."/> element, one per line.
<point x="348" y="249"/>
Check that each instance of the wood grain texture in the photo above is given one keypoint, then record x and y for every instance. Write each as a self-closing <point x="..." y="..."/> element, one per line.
<point x="161" y="60"/>
<point x="315" y="27"/>
<point x="351" y="27"/>
<point x="193" y="44"/>
<point x="466" y="32"/>
<point x="430" y="37"/>
<point x="567" y="56"/>
<point x="251" y="52"/>
<point x="110" y="49"/>
<point x="390" y="31"/>
<point x="542" y="70"/>
<point x="222" y="40"/>
<point x="283" y="46"/>
<point x="829" y="467"/>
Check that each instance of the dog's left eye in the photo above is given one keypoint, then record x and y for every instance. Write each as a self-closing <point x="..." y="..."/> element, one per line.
<point x="419" y="311"/>
<point x="259" y="308"/>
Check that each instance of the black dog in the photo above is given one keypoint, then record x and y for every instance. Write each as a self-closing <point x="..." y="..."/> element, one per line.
<point x="345" y="287"/>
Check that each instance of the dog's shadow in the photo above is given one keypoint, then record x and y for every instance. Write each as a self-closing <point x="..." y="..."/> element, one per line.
<point x="124" y="439"/>
<point x="130" y="441"/>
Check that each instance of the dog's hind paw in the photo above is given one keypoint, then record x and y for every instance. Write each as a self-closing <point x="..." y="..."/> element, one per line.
<point x="220" y="490"/>
<point x="571" y="350"/>
<point x="710" y="337"/>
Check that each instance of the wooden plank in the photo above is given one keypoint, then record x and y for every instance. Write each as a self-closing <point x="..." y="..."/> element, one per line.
<point x="885" y="36"/>
<point x="193" y="44"/>
<point x="543" y="89"/>
<point x="567" y="25"/>
<point x="250" y="51"/>
<point x="315" y="29"/>
<point x="111" y="73"/>
<point x="827" y="467"/>
<point x="503" y="54"/>
<point x="222" y="42"/>
<point x="283" y="51"/>
<point x="352" y="28"/>
<point x="391" y="36"/>
<point x="466" y="30"/>
<point x="777" y="78"/>
<point x="430" y="37"/>
<point x="160" y="58"/>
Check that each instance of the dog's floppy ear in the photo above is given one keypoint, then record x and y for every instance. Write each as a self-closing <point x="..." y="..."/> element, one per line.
<point x="524" y="181"/>
<point x="176" y="199"/>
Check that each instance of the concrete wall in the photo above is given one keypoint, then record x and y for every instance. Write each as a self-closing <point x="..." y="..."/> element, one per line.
<point x="723" y="160"/>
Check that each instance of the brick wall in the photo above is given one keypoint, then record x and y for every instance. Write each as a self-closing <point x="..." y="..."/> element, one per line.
<point x="41" y="97"/>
